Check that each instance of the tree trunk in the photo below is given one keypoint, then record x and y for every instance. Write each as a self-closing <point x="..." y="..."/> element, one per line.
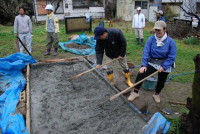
<point x="191" y="122"/>
<point x="195" y="108"/>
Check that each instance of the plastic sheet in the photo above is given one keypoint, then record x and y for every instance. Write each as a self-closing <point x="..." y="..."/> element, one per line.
<point x="157" y="125"/>
<point x="81" y="40"/>
<point x="12" y="82"/>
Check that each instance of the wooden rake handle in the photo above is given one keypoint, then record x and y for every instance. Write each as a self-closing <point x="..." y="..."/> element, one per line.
<point x="120" y="93"/>
<point x="92" y="69"/>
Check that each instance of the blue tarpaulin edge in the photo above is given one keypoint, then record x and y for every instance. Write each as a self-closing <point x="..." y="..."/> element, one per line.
<point x="13" y="83"/>
<point x="157" y="124"/>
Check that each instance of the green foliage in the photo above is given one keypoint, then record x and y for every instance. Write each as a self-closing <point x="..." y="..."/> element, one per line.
<point x="9" y="9"/>
<point x="169" y="14"/>
<point x="175" y="124"/>
<point x="191" y="40"/>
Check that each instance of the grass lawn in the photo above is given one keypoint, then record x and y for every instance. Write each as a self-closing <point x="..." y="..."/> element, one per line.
<point x="185" y="53"/>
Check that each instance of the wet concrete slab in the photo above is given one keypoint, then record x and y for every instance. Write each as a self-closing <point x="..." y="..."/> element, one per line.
<point x="60" y="106"/>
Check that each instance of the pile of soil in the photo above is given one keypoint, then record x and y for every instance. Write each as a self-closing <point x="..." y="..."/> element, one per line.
<point x="62" y="106"/>
<point x="77" y="46"/>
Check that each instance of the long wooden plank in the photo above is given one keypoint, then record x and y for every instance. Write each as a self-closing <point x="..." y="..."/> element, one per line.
<point x="180" y="103"/>
<point x="59" y="60"/>
<point x="28" y="112"/>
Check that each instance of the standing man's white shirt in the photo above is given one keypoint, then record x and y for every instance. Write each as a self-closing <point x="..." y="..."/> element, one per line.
<point x="138" y="21"/>
<point x="139" y="24"/>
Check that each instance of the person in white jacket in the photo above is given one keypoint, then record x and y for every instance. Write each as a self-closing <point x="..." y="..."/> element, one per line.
<point x="139" y="24"/>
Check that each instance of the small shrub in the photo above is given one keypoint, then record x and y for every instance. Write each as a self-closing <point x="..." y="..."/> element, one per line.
<point x="191" y="40"/>
<point x="175" y="125"/>
<point x="169" y="14"/>
<point x="179" y="29"/>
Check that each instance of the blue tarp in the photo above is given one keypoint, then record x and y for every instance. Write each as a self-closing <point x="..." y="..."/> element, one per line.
<point x="81" y="40"/>
<point x="157" y="124"/>
<point x="12" y="82"/>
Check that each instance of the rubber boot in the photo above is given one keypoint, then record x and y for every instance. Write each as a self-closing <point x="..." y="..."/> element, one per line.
<point x="55" y="52"/>
<point x="142" y="42"/>
<point x="138" y="41"/>
<point x="127" y="76"/>
<point x="110" y="77"/>
<point x="47" y="52"/>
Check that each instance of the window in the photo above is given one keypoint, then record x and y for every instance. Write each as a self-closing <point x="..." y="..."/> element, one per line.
<point x="96" y="3"/>
<point x="142" y="4"/>
<point x="80" y="3"/>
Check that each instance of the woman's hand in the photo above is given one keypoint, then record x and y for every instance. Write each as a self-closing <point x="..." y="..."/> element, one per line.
<point x="161" y="69"/>
<point x="143" y="69"/>
<point x="98" y="66"/>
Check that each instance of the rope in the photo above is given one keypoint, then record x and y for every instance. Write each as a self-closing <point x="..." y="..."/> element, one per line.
<point x="170" y="77"/>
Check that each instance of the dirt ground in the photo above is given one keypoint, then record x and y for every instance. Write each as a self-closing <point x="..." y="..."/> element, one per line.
<point x="77" y="46"/>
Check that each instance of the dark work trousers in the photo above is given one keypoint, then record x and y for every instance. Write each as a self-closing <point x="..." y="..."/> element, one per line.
<point x="161" y="78"/>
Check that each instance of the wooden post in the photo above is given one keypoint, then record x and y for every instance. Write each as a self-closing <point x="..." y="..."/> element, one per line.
<point x="28" y="112"/>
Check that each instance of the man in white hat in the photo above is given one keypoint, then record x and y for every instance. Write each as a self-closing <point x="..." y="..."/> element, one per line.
<point x="161" y="16"/>
<point x="52" y="28"/>
<point x="139" y="24"/>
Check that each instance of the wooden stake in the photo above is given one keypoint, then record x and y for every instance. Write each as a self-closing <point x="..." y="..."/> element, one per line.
<point x="28" y="112"/>
<point x="180" y="103"/>
<point x="91" y="69"/>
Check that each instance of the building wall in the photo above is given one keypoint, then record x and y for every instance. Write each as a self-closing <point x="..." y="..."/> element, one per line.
<point x="126" y="9"/>
<point x="96" y="12"/>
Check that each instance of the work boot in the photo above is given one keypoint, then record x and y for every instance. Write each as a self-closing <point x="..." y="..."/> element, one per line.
<point x="133" y="96"/>
<point x="156" y="98"/>
<point x="138" y="41"/>
<point x="127" y="76"/>
<point x="55" y="52"/>
<point x="110" y="77"/>
<point x="47" y="52"/>
<point x="142" y="42"/>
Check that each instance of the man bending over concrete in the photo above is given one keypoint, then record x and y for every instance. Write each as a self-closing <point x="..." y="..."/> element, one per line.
<point x="114" y="44"/>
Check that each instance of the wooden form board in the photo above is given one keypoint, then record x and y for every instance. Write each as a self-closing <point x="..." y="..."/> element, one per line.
<point x="28" y="112"/>
<point x="75" y="24"/>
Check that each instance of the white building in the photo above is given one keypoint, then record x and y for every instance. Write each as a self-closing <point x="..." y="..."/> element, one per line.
<point x="71" y="8"/>
<point x="189" y="5"/>
<point x="127" y="8"/>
